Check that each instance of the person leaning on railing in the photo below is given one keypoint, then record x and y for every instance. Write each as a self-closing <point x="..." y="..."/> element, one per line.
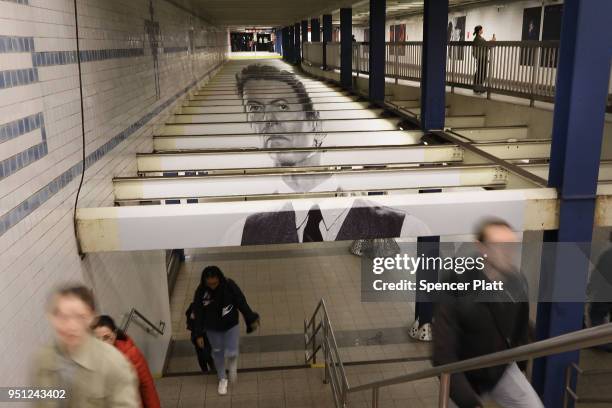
<point x="483" y="322"/>
<point x="480" y="52"/>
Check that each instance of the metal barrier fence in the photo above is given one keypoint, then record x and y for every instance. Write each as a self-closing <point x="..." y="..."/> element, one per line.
<point x="526" y="69"/>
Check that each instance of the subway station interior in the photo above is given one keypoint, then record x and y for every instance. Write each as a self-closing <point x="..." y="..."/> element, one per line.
<point x="222" y="191"/>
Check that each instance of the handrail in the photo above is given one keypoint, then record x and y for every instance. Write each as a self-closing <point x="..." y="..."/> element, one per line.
<point x="341" y="389"/>
<point x="567" y="342"/>
<point x="525" y="69"/>
<point x="580" y="339"/>
<point x="134" y="312"/>
<point x="334" y="369"/>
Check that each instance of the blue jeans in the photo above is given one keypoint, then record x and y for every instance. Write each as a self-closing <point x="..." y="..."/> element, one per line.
<point x="224" y="344"/>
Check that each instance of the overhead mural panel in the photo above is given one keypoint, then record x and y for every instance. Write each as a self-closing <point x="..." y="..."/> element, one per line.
<point x="311" y="139"/>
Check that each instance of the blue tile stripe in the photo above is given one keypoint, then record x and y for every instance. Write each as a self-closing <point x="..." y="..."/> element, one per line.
<point x="50" y="58"/>
<point x="18" y="77"/>
<point x="22" y="159"/>
<point x="21" y="126"/>
<point x="24" y="2"/>
<point x="28" y="156"/>
<point x="26" y="207"/>
<point x="16" y="44"/>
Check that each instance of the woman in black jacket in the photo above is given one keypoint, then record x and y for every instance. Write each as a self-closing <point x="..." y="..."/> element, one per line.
<point x="217" y="302"/>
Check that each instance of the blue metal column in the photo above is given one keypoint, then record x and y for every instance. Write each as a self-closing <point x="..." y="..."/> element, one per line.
<point x="315" y="30"/>
<point x="286" y="44"/>
<point x="583" y="75"/>
<point x="346" y="48"/>
<point x="304" y="31"/>
<point x="278" y="41"/>
<point x="376" y="83"/>
<point x="297" y="54"/>
<point x="327" y="36"/>
<point x="433" y="74"/>
<point x="423" y="307"/>
<point x="291" y="45"/>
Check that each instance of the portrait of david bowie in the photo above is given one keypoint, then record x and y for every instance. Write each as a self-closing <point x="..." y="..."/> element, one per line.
<point x="287" y="119"/>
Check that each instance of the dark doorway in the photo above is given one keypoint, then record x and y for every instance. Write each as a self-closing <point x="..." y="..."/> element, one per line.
<point x="241" y="42"/>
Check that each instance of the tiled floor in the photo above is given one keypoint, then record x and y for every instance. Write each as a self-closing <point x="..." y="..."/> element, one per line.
<point x="296" y="389"/>
<point x="283" y="284"/>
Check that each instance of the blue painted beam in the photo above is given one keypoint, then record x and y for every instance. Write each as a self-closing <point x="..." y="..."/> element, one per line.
<point x="304" y="31"/>
<point x="433" y="85"/>
<point x="346" y="48"/>
<point x="376" y="84"/>
<point x="315" y="30"/>
<point x="327" y="36"/>
<point x="291" y="45"/>
<point x="286" y="43"/>
<point x="297" y="54"/>
<point x="583" y="74"/>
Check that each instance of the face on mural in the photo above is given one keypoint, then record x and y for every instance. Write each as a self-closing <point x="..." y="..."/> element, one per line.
<point x="280" y="119"/>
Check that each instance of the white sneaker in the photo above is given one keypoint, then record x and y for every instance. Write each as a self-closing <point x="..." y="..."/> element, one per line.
<point x="222" y="389"/>
<point x="425" y="333"/>
<point x="232" y="368"/>
<point x="414" y="329"/>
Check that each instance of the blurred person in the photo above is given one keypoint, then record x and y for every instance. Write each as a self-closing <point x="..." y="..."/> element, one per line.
<point x="600" y="292"/>
<point x="287" y="123"/>
<point x="481" y="323"/>
<point x="105" y="329"/>
<point x="479" y="52"/>
<point x="92" y="373"/>
<point x="217" y="302"/>
<point x="205" y="360"/>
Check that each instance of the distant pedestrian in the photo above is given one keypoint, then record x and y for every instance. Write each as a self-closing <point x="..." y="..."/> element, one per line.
<point x="92" y="374"/>
<point x="480" y="52"/>
<point x="217" y="302"/>
<point x="106" y="330"/>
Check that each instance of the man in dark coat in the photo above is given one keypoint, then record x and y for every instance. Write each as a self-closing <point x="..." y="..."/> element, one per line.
<point x="477" y="323"/>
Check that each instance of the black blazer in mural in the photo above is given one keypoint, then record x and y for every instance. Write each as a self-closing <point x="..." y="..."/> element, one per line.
<point x="361" y="222"/>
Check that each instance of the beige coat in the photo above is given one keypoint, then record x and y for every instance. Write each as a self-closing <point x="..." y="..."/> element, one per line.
<point x="103" y="378"/>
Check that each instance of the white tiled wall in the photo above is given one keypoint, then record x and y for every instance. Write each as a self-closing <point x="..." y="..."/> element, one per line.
<point x="39" y="251"/>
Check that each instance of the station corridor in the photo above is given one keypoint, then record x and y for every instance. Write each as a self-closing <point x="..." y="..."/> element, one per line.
<point x="305" y="204"/>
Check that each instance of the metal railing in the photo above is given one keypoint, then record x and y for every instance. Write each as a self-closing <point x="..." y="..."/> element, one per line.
<point x="332" y="55"/>
<point x="526" y="69"/>
<point x="149" y="328"/>
<point x="319" y="336"/>
<point x="572" y="394"/>
<point x="313" y="52"/>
